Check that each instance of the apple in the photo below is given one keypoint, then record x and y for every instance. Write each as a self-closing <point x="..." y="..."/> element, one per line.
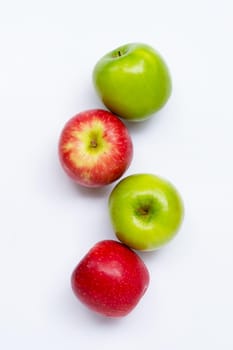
<point x="146" y="211"/>
<point x="110" y="279"/>
<point x="133" y="81"/>
<point x="95" y="148"/>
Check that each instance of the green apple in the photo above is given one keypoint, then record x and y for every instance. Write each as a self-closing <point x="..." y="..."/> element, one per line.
<point x="133" y="81"/>
<point x="146" y="211"/>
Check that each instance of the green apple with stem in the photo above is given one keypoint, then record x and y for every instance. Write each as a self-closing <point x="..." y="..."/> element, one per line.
<point x="133" y="81"/>
<point x="146" y="211"/>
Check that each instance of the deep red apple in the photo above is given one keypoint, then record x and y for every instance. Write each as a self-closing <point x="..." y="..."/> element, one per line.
<point x="95" y="148"/>
<point x="110" y="279"/>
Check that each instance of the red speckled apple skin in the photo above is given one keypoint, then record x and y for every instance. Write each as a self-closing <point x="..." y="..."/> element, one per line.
<point x="110" y="279"/>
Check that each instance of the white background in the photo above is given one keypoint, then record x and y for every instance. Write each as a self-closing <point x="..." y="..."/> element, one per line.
<point x="47" y="52"/>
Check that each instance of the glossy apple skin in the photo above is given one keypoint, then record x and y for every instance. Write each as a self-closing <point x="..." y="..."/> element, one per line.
<point x="146" y="211"/>
<point x="95" y="148"/>
<point x="110" y="279"/>
<point x="133" y="81"/>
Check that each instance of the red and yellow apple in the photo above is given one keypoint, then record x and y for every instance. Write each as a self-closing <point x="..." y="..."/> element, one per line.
<point x="110" y="279"/>
<point x="95" y="148"/>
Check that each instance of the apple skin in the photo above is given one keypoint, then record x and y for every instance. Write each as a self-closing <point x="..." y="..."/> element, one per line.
<point x="110" y="279"/>
<point x="133" y="81"/>
<point x="146" y="211"/>
<point x="95" y="148"/>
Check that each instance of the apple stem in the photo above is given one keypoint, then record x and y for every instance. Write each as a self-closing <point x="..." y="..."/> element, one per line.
<point x="93" y="143"/>
<point x="143" y="211"/>
<point x="119" y="53"/>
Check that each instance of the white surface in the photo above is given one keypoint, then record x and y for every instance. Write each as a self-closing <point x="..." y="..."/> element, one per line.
<point x="48" y="50"/>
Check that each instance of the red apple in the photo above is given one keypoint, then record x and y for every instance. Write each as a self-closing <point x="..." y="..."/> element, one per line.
<point x="110" y="279"/>
<point x="95" y="148"/>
